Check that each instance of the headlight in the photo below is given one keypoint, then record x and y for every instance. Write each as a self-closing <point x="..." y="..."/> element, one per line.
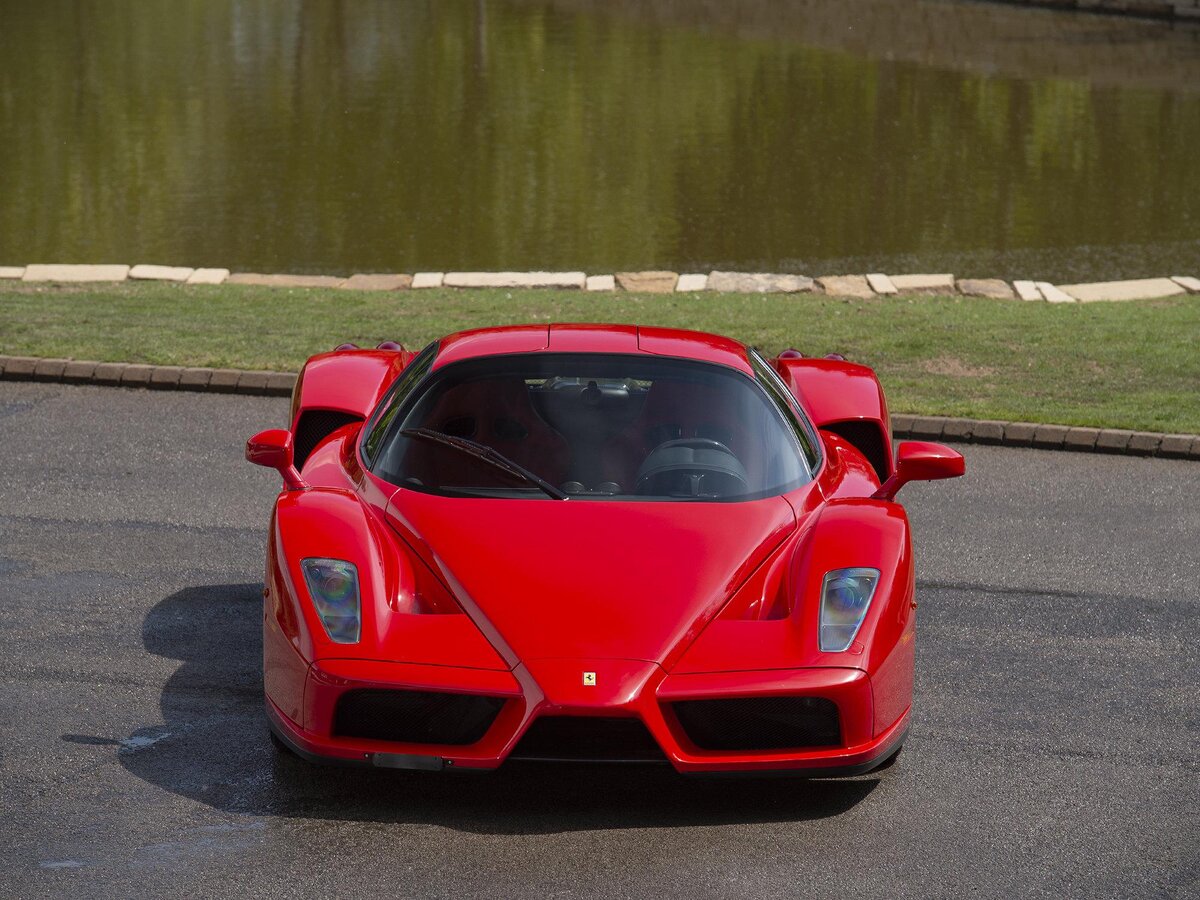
<point x="333" y="587"/>
<point x="845" y="597"/>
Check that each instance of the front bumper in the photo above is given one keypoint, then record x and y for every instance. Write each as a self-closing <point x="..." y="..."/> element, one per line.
<point x="618" y="689"/>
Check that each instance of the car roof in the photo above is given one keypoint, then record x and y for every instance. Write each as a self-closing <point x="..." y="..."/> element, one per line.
<point x="570" y="338"/>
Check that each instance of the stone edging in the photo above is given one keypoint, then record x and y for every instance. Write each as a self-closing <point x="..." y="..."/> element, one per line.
<point x="280" y="384"/>
<point x="651" y="282"/>
<point x="1153" y="9"/>
<point x="165" y="378"/>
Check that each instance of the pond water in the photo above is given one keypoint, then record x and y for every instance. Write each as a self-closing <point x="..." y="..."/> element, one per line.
<point x="814" y="136"/>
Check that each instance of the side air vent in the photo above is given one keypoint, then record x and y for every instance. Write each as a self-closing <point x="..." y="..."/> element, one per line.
<point x="587" y="739"/>
<point x="868" y="438"/>
<point x="760" y="723"/>
<point x="314" y="426"/>
<point x="415" y="717"/>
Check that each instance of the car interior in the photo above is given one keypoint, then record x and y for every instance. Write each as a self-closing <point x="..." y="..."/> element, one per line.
<point x="685" y="434"/>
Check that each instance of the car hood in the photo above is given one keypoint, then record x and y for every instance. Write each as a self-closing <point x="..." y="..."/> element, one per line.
<point x="584" y="579"/>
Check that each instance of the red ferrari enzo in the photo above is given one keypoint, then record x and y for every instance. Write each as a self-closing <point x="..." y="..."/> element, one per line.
<point x="590" y="543"/>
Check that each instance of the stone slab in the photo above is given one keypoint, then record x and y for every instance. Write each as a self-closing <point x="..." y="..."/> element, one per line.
<point x="1050" y="437"/>
<point x="992" y="288"/>
<point x="1019" y="434"/>
<point x="690" y="283"/>
<point x="166" y="377"/>
<point x="1144" y="443"/>
<point x="208" y="276"/>
<point x="377" y="283"/>
<point x="146" y="272"/>
<point x="281" y="383"/>
<point x="224" y="381"/>
<point x="136" y="374"/>
<point x="654" y="282"/>
<point x="1187" y="282"/>
<point x="1141" y="289"/>
<point x="881" y="284"/>
<point x="252" y="382"/>
<point x="49" y="369"/>
<point x="68" y="274"/>
<point x="285" y="281"/>
<point x="428" y="279"/>
<point x="13" y="272"/>
<point x="1081" y="438"/>
<point x="79" y="370"/>
<point x="601" y="283"/>
<point x="1027" y="290"/>
<point x="759" y="283"/>
<point x="927" y="427"/>
<point x="988" y="431"/>
<point x="559" y="280"/>
<point x="194" y="377"/>
<point x="955" y="429"/>
<point x="901" y="424"/>
<point x="108" y="373"/>
<point x="846" y="286"/>
<point x="18" y="368"/>
<point x="924" y="284"/>
<point x="1113" y="440"/>
<point x="1176" y="446"/>
<point x="1053" y="294"/>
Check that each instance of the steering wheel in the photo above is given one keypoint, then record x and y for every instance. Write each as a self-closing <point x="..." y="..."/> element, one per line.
<point x="685" y="464"/>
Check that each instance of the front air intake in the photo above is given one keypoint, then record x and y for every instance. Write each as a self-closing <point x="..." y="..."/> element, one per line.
<point x="314" y="426"/>
<point x="588" y="739"/>
<point x="414" y="717"/>
<point x="760" y="723"/>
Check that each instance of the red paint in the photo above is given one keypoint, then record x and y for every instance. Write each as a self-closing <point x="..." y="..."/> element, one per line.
<point x="834" y="391"/>
<point x="921" y="461"/>
<point x="349" y="381"/>
<point x="273" y="448"/>
<point x="660" y="601"/>
<point x="492" y="342"/>
<point x="573" y="597"/>
<point x="695" y="345"/>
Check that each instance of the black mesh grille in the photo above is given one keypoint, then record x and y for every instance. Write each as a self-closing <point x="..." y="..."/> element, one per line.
<point x="588" y="739"/>
<point x="314" y="426"/>
<point x="868" y="438"/>
<point x="416" y="717"/>
<point x="760" y="723"/>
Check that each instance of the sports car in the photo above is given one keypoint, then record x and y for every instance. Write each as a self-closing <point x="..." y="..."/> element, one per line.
<point x="600" y="543"/>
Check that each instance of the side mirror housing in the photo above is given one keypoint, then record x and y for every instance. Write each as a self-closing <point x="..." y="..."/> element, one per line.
<point x="921" y="461"/>
<point x="273" y="448"/>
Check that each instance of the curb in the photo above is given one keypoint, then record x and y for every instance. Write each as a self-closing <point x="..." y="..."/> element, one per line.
<point x="162" y="378"/>
<point x="279" y="384"/>
<point x="1117" y="441"/>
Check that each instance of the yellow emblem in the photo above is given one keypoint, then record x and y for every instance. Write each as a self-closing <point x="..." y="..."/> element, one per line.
<point x="589" y="679"/>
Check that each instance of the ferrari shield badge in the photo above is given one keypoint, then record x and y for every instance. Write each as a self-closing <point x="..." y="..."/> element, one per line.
<point x="589" y="679"/>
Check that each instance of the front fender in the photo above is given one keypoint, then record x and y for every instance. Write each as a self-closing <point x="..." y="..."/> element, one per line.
<point x="772" y="623"/>
<point x="406" y="614"/>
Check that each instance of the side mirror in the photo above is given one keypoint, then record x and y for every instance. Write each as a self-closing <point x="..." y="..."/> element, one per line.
<point x="921" y="461"/>
<point x="273" y="448"/>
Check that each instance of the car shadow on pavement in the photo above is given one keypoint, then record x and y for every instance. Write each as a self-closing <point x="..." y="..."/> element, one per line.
<point x="213" y="747"/>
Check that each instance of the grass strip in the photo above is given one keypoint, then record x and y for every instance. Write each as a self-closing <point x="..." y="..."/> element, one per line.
<point x="1116" y="365"/>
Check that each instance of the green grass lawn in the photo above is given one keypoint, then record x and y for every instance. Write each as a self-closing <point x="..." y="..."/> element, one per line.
<point x="1123" y="365"/>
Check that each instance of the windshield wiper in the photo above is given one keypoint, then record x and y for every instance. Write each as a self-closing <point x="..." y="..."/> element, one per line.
<point x="485" y="454"/>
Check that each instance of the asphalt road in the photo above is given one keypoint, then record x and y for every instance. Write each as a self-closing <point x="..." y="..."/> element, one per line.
<point x="1053" y="751"/>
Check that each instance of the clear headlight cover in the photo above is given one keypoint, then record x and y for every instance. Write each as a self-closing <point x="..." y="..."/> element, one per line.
<point x="333" y="587"/>
<point x="845" y="598"/>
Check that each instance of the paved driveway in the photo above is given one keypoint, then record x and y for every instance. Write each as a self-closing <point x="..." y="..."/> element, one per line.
<point x="1053" y="751"/>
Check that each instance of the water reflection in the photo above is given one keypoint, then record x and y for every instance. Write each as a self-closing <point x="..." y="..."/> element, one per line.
<point x="814" y="136"/>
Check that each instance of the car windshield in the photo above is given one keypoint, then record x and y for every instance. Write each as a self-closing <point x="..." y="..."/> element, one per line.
<point x="591" y="426"/>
